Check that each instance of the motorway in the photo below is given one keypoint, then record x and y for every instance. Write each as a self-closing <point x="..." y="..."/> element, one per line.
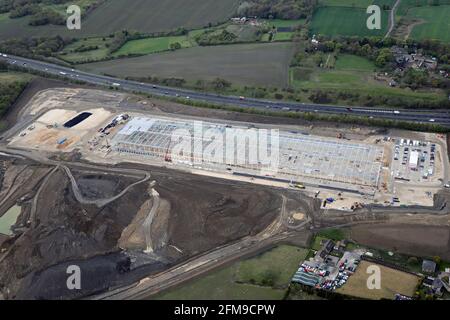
<point x="423" y="116"/>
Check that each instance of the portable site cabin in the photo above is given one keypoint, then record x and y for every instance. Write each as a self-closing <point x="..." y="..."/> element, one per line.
<point x="414" y="160"/>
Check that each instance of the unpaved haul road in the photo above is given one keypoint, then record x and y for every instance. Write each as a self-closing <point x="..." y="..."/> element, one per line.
<point x="392" y="18"/>
<point x="99" y="202"/>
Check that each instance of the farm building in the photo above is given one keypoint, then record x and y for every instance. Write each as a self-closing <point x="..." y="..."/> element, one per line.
<point x="428" y="266"/>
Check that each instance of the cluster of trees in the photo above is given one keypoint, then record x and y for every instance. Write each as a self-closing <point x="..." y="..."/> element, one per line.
<point x="377" y="49"/>
<point x="84" y="48"/>
<point x="47" y="16"/>
<point x="39" y="13"/>
<point x="277" y="9"/>
<point x="34" y="47"/>
<point x="34" y="8"/>
<point x="211" y="37"/>
<point x="9" y="91"/>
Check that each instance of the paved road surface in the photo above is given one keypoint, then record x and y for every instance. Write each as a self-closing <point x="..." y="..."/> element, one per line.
<point x="435" y="116"/>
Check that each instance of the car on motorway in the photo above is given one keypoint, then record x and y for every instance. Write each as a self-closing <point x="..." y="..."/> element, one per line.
<point x="432" y="120"/>
<point x="397" y="112"/>
<point x="241" y="98"/>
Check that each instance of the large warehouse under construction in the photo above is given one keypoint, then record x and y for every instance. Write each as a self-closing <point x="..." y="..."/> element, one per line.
<point x="300" y="157"/>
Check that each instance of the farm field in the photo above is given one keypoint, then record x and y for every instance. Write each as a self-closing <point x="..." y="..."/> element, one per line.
<point x="392" y="282"/>
<point x="355" y="3"/>
<point x="246" y="64"/>
<point x="344" y="21"/>
<point x="233" y="282"/>
<point x="347" y="3"/>
<point x="114" y="15"/>
<point x="352" y="62"/>
<point x="406" y="5"/>
<point x="152" y="45"/>
<point x="436" y="21"/>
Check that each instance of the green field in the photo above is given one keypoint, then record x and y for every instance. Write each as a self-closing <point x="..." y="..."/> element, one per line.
<point x="346" y="3"/>
<point x="265" y="64"/>
<point x="352" y="62"/>
<point x="355" y="3"/>
<point x="71" y="55"/>
<point x="436" y="22"/>
<point x="257" y="269"/>
<point x="152" y="45"/>
<point x="233" y="282"/>
<point x="279" y="23"/>
<point x="344" y="21"/>
<point x="405" y="5"/>
<point x="283" y="36"/>
<point x="142" y="15"/>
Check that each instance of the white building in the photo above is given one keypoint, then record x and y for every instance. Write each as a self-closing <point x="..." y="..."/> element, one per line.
<point x="414" y="160"/>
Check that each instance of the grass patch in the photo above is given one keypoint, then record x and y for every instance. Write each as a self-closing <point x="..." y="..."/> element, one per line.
<point x="279" y="23"/>
<point x="436" y="23"/>
<point x="317" y="243"/>
<point x="221" y="286"/>
<point x="234" y="282"/>
<point x="87" y="49"/>
<point x="267" y="270"/>
<point x="334" y="234"/>
<point x="344" y="21"/>
<point x="151" y="45"/>
<point x="352" y="62"/>
<point x="283" y="36"/>
<point x="393" y="281"/>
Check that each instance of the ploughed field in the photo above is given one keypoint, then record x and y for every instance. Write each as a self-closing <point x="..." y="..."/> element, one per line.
<point x="244" y="64"/>
<point x="141" y="15"/>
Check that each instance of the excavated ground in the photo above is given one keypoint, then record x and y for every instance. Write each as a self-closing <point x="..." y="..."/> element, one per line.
<point x="197" y="214"/>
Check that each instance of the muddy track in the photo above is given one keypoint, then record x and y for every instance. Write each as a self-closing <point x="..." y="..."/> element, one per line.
<point x="98" y="202"/>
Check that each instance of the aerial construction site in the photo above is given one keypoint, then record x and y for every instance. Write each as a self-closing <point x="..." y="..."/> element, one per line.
<point x="148" y="185"/>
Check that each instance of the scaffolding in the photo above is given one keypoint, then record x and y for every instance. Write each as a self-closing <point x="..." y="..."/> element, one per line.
<point x="299" y="155"/>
